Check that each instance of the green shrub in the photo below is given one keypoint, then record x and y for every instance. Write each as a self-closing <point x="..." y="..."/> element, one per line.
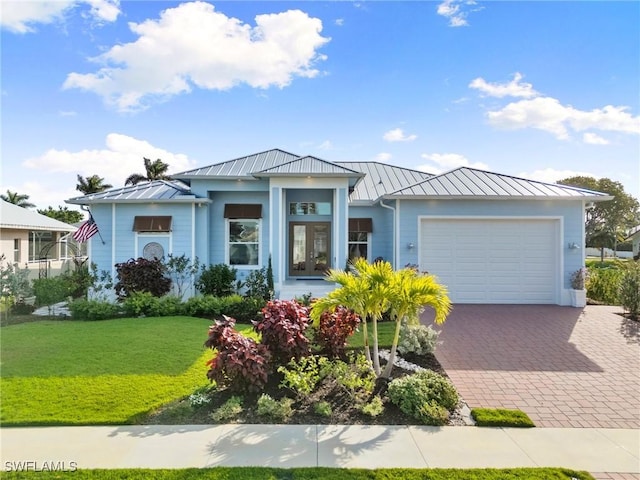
<point x="418" y="394"/>
<point x="142" y="275"/>
<point x="257" y="285"/>
<point x="14" y="282"/>
<point x="205" y="306"/>
<point x="629" y="290"/>
<point x="604" y="285"/>
<point x="244" y="310"/>
<point x="373" y="408"/>
<point x="323" y="408"/>
<point x="217" y="280"/>
<point x="356" y="377"/>
<point x="228" y="410"/>
<point x="303" y="375"/>
<point x="279" y="410"/>
<point x="500" y="417"/>
<point x="82" y="309"/>
<point x="49" y="291"/>
<point x="417" y="339"/>
<point x="145" y="304"/>
<point x="431" y="413"/>
<point x="181" y="270"/>
<point x="79" y="281"/>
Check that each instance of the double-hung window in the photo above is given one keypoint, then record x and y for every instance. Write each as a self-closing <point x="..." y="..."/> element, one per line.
<point x="360" y="238"/>
<point x="243" y="234"/>
<point x="244" y="241"/>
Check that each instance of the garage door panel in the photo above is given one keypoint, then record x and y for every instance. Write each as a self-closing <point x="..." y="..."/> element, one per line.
<point x="492" y="260"/>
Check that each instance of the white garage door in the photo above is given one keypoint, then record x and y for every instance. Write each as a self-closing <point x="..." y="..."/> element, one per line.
<point x="492" y="260"/>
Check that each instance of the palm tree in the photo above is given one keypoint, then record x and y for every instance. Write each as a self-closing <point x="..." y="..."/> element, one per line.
<point x="17" y="199"/>
<point x="373" y="289"/>
<point x="156" y="170"/>
<point x="92" y="184"/>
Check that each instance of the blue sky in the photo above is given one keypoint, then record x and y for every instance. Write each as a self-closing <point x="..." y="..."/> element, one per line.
<point x="543" y="90"/>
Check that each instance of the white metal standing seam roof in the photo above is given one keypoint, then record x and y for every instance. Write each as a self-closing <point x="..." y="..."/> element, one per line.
<point x="468" y="182"/>
<point x="157" y="191"/>
<point x="241" y="167"/>
<point x="15" y="217"/>
<point x="381" y="179"/>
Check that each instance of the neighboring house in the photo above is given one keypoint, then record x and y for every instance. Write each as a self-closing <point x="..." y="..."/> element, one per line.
<point x="634" y="236"/>
<point x="35" y="240"/>
<point x="490" y="238"/>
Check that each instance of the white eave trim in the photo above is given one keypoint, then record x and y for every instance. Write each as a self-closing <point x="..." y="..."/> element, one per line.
<point x="603" y="198"/>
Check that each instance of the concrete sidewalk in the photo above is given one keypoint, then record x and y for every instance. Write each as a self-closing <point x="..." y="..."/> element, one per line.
<point x="286" y="446"/>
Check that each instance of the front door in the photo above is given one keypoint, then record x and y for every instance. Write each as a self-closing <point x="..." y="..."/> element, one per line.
<point x="309" y="248"/>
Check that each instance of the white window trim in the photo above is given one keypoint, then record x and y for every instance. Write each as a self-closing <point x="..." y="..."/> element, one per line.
<point x="227" y="243"/>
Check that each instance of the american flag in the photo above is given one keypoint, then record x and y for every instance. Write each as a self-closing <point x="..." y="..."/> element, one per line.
<point x="87" y="230"/>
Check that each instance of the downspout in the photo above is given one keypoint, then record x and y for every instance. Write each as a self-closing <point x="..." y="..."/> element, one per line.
<point x="395" y="253"/>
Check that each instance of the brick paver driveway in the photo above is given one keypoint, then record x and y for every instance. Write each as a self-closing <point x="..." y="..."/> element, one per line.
<point x="563" y="366"/>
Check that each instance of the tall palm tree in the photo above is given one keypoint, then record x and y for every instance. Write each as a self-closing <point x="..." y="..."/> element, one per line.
<point x="92" y="184"/>
<point x="370" y="290"/>
<point x="156" y="170"/>
<point x="17" y="199"/>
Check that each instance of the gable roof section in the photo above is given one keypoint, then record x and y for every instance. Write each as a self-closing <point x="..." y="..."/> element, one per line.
<point x="309" y="166"/>
<point x="465" y="182"/>
<point x="15" y="217"/>
<point x="381" y="179"/>
<point x="240" y="167"/>
<point x="156" y="191"/>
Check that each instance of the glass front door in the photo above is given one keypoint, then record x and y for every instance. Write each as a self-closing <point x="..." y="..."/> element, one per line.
<point x="309" y="248"/>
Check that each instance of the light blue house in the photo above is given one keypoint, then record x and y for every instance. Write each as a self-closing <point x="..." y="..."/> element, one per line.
<point x="490" y="238"/>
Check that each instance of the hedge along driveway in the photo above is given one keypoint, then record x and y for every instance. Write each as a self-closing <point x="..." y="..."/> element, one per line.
<point x="107" y="372"/>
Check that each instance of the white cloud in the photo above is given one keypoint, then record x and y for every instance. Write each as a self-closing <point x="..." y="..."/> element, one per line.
<point x="448" y="161"/>
<point x="593" y="139"/>
<point x="383" y="157"/>
<point x="193" y="45"/>
<point x="326" y="145"/>
<point x="20" y="16"/>
<point x="548" y="114"/>
<point x="551" y="175"/>
<point x="339" y="22"/>
<point x="397" y="135"/>
<point x="514" y="88"/>
<point x="67" y="113"/>
<point x="122" y="156"/>
<point x="457" y="11"/>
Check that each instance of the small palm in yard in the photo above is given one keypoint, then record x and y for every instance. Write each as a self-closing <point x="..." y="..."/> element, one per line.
<point x="373" y="289"/>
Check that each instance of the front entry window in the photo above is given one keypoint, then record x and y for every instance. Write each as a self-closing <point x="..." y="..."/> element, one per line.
<point x="243" y="242"/>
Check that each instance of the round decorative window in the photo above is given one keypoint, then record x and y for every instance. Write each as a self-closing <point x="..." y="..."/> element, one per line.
<point x="153" y="251"/>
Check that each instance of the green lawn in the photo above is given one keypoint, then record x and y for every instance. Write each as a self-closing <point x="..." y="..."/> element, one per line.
<point x="259" y="473"/>
<point x="386" y="330"/>
<point x="108" y="372"/>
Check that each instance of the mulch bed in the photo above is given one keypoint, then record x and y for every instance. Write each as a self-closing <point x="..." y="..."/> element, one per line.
<point x="342" y="405"/>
